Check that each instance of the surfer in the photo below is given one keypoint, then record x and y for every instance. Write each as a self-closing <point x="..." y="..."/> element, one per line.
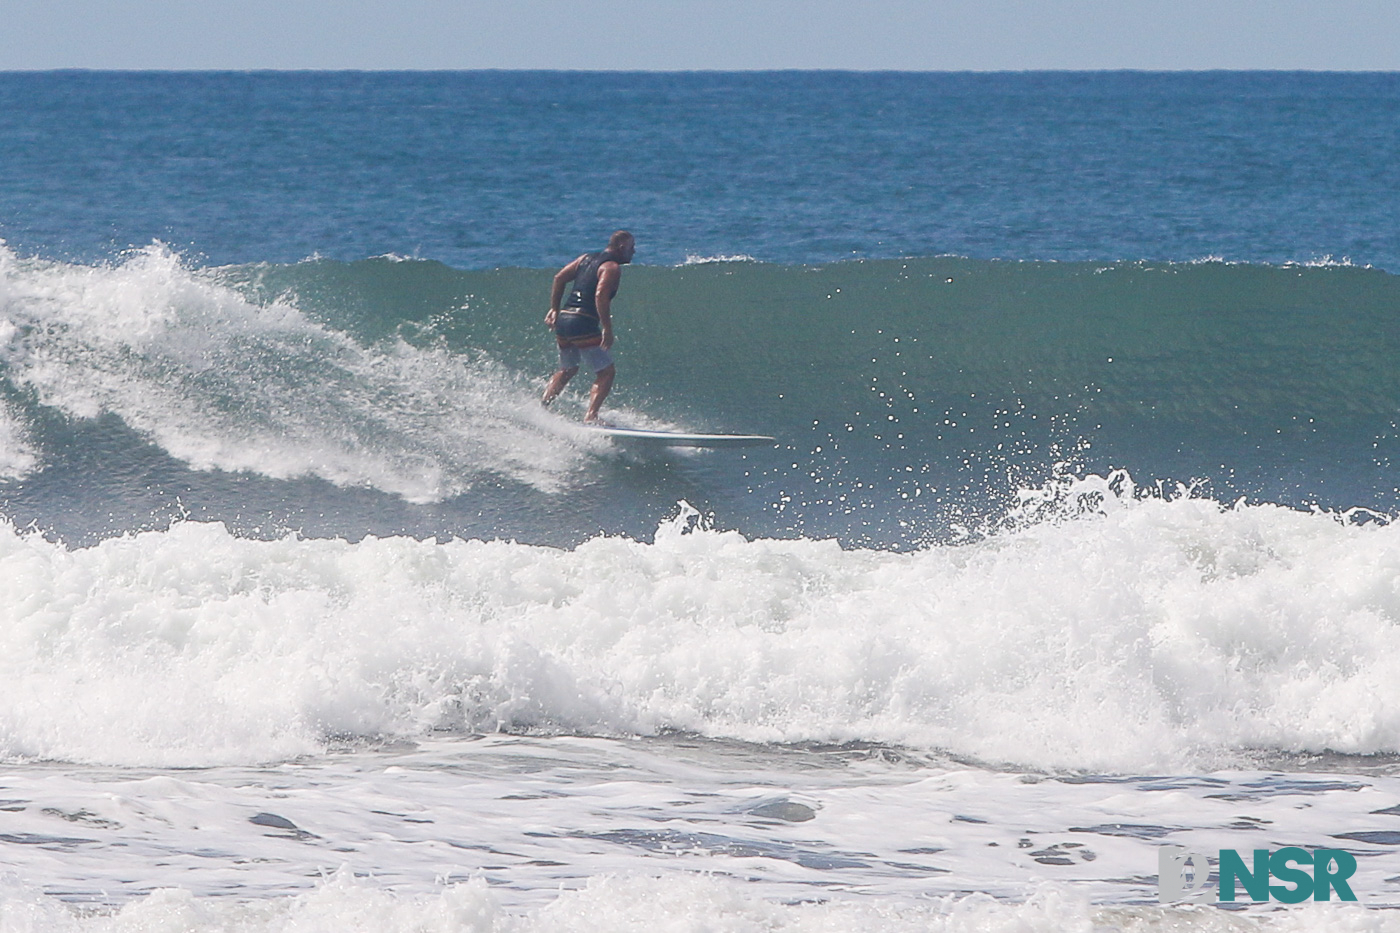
<point x="583" y="325"/>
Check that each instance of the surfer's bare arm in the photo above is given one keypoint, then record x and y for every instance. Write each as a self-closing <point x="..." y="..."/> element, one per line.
<point x="562" y="278"/>
<point x="609" y="274"/>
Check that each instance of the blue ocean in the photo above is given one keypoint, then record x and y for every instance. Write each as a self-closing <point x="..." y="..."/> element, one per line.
<point x="1075" y="541"/>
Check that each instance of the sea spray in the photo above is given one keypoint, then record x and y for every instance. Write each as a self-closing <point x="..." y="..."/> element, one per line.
<point x="223" y="383"/>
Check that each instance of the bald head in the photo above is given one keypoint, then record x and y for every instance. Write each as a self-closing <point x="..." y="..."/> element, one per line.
<point x="622" y="245"/>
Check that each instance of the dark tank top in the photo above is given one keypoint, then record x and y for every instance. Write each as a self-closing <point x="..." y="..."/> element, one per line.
<point x="584" y="298"/>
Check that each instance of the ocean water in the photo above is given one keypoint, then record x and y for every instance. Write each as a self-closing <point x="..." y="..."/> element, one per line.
<point x="1078" y="537"/>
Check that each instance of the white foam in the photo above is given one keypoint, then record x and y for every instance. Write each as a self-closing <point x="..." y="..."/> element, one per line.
<point x="222" y="383"/>
<point x="17" y="454"/>
<point x="694" y="259"/>
<point x="1327" y="262"/>
<point x="1105" y="629"/>
<point x="876" y="834"/>
<point x="649" y="904"/>
<point x="1317" y="262"/>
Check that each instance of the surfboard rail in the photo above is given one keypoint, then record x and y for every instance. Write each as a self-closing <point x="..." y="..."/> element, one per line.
<point x="681" y="439"/>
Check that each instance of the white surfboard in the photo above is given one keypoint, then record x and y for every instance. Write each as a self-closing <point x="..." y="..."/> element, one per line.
<point x="677" y="439"/>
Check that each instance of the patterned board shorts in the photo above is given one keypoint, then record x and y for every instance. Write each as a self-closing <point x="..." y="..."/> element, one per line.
<point x="597" y="358"/>
<point x="578" y="338"/>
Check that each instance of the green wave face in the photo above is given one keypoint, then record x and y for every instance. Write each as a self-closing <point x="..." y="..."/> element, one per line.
<point x="910" y="397"/>
<point x="1167" y="341"/>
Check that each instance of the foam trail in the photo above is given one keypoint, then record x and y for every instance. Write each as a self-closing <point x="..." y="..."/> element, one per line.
<point x="222" y="383"/>
<point x="1110" y="630"/>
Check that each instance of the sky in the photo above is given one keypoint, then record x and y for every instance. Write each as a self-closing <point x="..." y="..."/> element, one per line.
<point x="681" y="35"/>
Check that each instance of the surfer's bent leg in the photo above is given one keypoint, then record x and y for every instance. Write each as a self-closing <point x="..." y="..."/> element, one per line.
<point x="602" y="385"/>
<point x="556" y="384"/>
<point x="569" y="359"/>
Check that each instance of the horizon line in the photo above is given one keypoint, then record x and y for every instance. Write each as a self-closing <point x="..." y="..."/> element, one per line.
<point x="83" y="69"/>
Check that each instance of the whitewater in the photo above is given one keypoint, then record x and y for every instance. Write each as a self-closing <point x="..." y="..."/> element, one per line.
<point x="702" y="727"/>
<point x="1079" y="538"/>
<point x="1123" y="636"/>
